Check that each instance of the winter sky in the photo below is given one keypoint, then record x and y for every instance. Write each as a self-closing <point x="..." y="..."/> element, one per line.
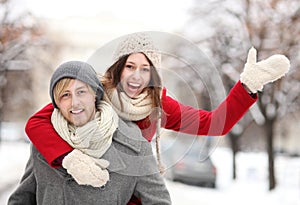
<point x="167" y="15"/>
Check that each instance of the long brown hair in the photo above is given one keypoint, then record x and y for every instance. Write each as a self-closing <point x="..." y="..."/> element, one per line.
<point x="112" y="78"/>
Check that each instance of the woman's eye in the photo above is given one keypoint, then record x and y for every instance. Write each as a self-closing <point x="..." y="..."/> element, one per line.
<point x="129" y="67"/>
<point x="146" y="69"/>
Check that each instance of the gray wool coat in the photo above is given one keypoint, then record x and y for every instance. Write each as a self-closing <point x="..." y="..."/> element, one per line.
<point x="133" y="170"/>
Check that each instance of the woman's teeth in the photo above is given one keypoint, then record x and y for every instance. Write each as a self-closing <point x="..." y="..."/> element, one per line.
<point x="135" y="85"/>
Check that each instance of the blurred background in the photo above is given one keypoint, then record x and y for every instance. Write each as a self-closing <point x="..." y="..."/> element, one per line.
<point x="257" y="162"/>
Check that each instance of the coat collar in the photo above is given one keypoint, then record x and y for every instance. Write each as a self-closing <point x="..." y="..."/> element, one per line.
<point x="129" y="135"/>
<point x="125" y="162"/>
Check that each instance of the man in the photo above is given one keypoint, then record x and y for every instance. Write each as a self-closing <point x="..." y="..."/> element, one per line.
<point x="111" y="160"/>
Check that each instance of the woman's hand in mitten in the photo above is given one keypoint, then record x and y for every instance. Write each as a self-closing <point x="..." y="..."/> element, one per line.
<point x="257" y="74"/>
<point x="85" y="170"/>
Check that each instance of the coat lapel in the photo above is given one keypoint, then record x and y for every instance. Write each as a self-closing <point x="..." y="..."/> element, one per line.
<point x="129" y="135"/>
<point x="134" y="157"/>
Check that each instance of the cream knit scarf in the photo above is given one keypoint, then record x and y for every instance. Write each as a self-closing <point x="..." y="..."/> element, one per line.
<point x="128" y="108"/>
<point x="134" y="110"/>
<point x="95" y="137"/>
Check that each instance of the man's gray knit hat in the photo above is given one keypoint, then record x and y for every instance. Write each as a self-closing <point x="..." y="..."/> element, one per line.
<point x="136" y="43"/>
<point x="77" y="70"/>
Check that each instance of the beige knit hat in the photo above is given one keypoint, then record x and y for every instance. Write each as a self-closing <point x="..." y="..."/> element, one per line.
<point x="136" y="43"/>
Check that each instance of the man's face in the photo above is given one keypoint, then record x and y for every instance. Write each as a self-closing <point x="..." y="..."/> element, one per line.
<point x="77" y="103"/>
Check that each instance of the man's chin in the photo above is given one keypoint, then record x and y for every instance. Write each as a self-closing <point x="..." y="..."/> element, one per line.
<point x="78" y="123"/>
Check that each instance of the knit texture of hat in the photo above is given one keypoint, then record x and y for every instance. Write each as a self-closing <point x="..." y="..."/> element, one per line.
<point x="77" y="70"/>
<point x="136" y="43"/>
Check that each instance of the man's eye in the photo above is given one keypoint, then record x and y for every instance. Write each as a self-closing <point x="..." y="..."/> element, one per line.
<point x="65" y="95"/>
<point x="81" y="92"/>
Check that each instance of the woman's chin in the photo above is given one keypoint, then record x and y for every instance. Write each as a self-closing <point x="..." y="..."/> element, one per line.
<point x="132" y="93"/>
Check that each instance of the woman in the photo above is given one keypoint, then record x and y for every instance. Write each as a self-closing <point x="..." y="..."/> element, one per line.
<point x="133" y="87"/>
<point x="111" y="160"/>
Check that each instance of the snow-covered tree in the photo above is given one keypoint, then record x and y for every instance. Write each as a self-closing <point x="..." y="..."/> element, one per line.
<point x="24" y="49"/>
<point x="227" y="29"/>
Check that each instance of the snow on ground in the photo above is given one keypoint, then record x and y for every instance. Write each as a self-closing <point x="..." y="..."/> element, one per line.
<point x="250" y="188"/>
<point x="13" y="158"/>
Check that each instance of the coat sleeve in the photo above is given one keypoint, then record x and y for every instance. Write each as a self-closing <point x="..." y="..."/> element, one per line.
<point x="151" y="189"/>
<point x="186" y="119"/>
<point x="44" y="137"/>
<point x="25" y="193"/>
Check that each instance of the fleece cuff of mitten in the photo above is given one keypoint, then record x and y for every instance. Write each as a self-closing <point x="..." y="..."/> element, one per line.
<point x="252" y="83"/>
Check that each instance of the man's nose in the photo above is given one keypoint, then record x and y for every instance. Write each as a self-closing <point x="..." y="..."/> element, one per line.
<point x="75" y="100"/>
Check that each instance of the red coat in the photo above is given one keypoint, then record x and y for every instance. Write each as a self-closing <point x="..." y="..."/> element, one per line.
<point x="176" y="116"/>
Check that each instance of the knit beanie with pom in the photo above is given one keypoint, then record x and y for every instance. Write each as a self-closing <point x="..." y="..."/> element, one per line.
<point x="77" y="70"/>
<point x="139" y="43"/>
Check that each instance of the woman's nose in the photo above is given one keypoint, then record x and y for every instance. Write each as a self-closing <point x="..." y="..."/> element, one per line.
<point x="137" y="74"/>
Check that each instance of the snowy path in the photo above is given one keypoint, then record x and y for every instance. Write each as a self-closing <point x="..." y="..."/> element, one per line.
<point x="250" y="188"/>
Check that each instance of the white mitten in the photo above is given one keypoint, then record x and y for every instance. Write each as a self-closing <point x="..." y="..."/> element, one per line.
<point x="86" y="170"/>
<point x="257" y="74"/>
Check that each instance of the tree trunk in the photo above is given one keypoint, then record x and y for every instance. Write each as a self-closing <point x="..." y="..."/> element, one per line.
<point x="234" y="164"/>
<point x="269" y="132"/>
<point x="1" y="115"/>
<point x="0" y="129"/>
<point x="234" y="146"/>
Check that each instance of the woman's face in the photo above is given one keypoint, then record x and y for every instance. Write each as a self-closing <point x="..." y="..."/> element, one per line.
<point x="135" y="75"/>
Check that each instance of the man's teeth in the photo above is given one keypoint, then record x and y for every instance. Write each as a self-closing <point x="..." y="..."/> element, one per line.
<point x="76" y="111"/>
